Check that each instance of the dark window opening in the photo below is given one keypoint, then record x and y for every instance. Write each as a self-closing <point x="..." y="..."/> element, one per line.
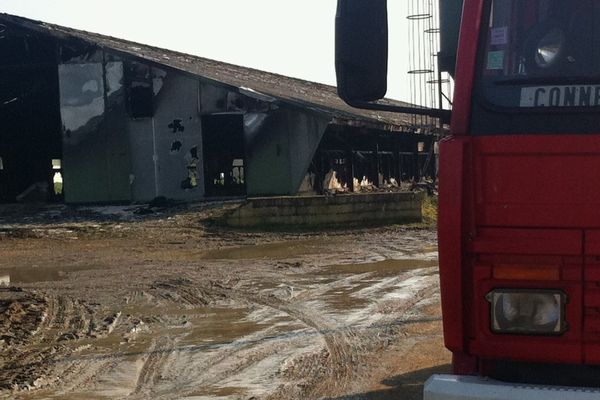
<point x="224" y="156"/>
<point x="140" y="96"/>
<point x="545" y="39"/>
<point x="538" y="54"/>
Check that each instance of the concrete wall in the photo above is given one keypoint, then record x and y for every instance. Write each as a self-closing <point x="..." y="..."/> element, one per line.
<point x="305" y="132"/>
<point x="95" y="148"/>
<point x="325" y="211"/>
<point x="111" y="156"/>
<point x="268" y="157"/>
<point x="143" y="178"/>
<point x="279" y="156"/>
<point x="161" y="146"/>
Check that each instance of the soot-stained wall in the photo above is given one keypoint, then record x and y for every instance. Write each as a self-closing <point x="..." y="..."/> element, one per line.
<point x="95" y="148"/>
<point x="279" y="139"/>
<point x="132" y="131"/>
<point x="121" y="128"/>
<point x="167" y="147"/>
<point x="114" y="149"/>
<point x="280" y="152"/>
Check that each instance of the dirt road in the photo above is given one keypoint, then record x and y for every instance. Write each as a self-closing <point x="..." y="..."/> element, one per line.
<point x="102" y="303"/>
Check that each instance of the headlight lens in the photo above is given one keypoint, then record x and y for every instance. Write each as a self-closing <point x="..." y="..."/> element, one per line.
<point x="527" y="311"/>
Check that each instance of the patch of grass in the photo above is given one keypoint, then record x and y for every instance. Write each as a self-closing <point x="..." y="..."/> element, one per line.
<point x="430" y="210"/>
<point x="58" y="187"/>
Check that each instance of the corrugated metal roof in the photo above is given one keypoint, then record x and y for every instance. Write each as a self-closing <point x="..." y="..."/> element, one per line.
<point x="318" y="96"/>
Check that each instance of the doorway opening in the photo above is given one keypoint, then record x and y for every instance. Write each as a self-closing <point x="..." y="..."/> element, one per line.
<point x="224" y="155"/>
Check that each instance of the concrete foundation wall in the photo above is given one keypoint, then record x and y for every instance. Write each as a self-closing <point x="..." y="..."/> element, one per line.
<point x="323" y="211"/>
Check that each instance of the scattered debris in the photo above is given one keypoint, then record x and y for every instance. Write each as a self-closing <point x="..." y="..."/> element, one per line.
<point x="331" y="185"/>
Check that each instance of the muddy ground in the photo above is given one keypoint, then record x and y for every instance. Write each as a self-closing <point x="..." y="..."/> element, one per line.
<point x="139" y="302"/>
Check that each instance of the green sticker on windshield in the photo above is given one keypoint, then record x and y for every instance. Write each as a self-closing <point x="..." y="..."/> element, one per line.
<point x="495" y="60"/>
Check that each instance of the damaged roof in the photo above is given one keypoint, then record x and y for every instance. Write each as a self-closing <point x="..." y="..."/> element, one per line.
<point x="308" y="94"/>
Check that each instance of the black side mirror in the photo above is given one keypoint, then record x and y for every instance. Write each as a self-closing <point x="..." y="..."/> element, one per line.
<point x="361" y="49"/>
<point x="361" y="57"/>
<point x="450" y="17"/>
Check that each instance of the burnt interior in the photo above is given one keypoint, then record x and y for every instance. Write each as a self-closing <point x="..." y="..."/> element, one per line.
<point x="30" y="134"/>
<point x="224" y="155"/>
<point x="99" y="91"/>
<point x="376" y="155"/>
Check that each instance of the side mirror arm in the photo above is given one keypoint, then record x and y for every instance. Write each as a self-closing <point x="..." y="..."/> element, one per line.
<point x="443" y="115"/>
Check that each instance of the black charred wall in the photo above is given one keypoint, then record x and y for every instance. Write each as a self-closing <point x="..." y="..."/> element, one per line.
<point x="29" y="112"/>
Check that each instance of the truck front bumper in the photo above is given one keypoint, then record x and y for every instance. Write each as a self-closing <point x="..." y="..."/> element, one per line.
<point x="454" y="387"/>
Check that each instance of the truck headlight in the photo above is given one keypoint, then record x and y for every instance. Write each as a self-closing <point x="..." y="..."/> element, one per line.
<point x="540" y="312"/>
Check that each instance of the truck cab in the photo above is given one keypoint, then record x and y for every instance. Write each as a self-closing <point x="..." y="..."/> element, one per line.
<point x="519" y="206"/>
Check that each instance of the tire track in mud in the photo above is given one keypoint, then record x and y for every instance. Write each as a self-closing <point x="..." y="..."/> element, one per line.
<point x="326" y="371"/>
<point x="68" y="322"/>
<point x="43" y="358"/>
<point x="80" y="375"/>
<point x="319" y="325"/>
<point x="347" y="348"/>
<point x="347" y="344"/>
<point x="204" y="369"/>
<point x="33" y="367"/>
<point x="153" y="367"/>
<point x="343" y="344"/>
<point x="228" y="362"/>
<point x="158" y="358"/>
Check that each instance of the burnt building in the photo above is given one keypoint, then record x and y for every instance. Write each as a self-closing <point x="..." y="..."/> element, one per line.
<point x="87" y="118"/>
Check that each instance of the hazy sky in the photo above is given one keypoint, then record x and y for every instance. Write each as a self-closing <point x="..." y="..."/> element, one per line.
<point x="290" y="37"/>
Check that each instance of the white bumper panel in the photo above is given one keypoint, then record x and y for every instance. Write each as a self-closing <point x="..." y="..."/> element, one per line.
<point x="453" y="387"/>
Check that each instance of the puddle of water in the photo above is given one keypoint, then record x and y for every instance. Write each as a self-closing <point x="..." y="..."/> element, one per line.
<point x="262" y="286"/>
<point x="430" y="249"/>
<point x="214" y="391"/>
<point x="147" y="309"/>
<point x="22" y="275"/>
<point x="344" y="299"/>
<point x="220" y="325"/>
<point x="199" y="325"/>
<point x="379" y="268"/>
<point x="48" y="395"/>
<point x="273" y="251"/>
<point x="224" y="326"/>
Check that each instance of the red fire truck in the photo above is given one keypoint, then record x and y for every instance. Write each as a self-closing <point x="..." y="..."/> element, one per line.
<point x="519" y="217"/>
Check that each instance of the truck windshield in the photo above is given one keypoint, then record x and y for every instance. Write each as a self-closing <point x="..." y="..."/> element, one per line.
<point x="541" y="53"/>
